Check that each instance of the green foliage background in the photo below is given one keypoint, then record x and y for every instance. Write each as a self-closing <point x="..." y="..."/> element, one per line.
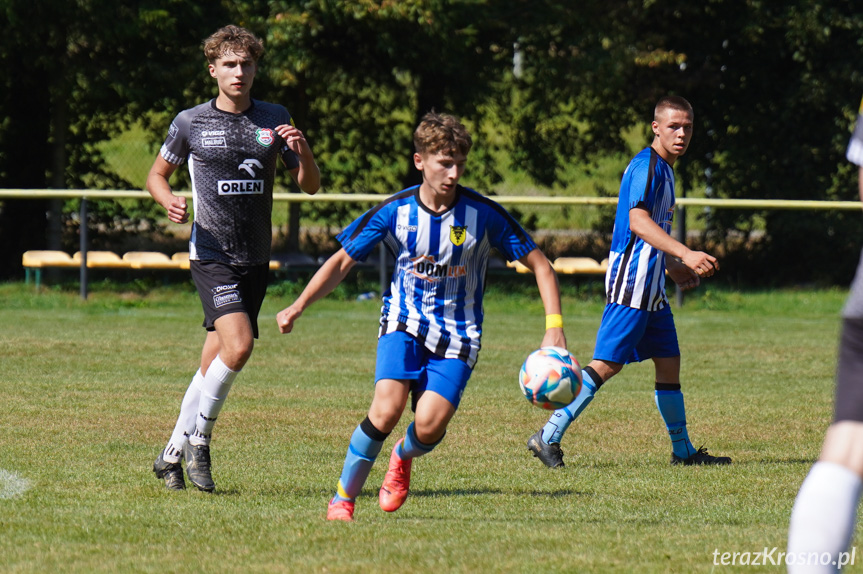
<point x="553" y="92"/>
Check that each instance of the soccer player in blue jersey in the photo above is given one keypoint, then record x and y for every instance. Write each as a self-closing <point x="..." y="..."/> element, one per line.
<point x="233" y="144"/>
<point x="825" y="511"/>
<point x="441" y="235"/>
<point x="637" y="323"/>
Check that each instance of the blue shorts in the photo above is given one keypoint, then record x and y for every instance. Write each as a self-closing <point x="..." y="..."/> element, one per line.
<point x="628" y="335"/>
<point x="402" y="357"/>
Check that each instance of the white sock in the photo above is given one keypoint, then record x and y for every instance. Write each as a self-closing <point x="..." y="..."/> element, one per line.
<point x="823" y="518"/>
<point x="214" y="390"/>
<point x="186" y="421"/>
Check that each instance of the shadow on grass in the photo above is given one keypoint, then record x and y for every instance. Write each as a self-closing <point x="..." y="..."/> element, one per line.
<point x="372" y="492"/>
<point x="803" y="461"/>
<point x="490" y="491"/>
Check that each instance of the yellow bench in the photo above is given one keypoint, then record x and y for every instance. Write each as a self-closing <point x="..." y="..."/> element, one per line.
<point x="152" y="260"/>
<point x="35" y="261"/>
<point x="569" y="266"/>
<point x="102" y="260"/>
<point x="580" y="266"/>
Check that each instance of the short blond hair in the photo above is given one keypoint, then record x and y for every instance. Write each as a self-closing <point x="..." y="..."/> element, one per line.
<point x="441" y="133"/>
<point x="232" y="39"/>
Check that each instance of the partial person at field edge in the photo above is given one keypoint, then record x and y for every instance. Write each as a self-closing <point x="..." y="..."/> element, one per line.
<point x="637" y="323"/>
<point x="825" y="511"/>
<point x="232" y="144"/>
<point x="440" y="234"/>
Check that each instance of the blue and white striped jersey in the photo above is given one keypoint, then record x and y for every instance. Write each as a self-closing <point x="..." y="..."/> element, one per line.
<point x="441" y="258"/>
<point x="636" y="270"/>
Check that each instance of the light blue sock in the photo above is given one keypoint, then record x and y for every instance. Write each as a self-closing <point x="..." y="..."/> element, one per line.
<point x="669" y="401"/>
<point x="362" y="452"/>
<point x="560" y="420"/>
<point x="411" y="447"/>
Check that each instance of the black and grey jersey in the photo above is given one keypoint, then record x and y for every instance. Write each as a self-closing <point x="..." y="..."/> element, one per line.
<point x="232" y="162"/>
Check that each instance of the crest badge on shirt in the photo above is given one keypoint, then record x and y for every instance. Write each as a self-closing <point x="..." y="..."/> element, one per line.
<point x="457" y="234"/>
<point x="265" y="136"/>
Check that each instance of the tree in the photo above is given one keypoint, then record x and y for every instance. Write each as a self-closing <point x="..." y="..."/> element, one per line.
<point x="541" y="84"/>
<point x="774" y="87"/>
<point x="76" y="72"/>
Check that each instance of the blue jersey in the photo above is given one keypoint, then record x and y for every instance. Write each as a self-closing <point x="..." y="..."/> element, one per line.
<point x="636" y="270"/>
<point x="441" y="258"/>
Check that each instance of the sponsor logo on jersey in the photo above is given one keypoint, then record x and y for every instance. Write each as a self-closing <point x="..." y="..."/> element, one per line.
<point x="265" y="136"/>
<point x="425" y="267"/>
<point x="172" y="131"/>
<point x="241" y="187"/>
<point x="213" y="138"/>
<point x="225" y="295"/>
<point x="669" y="216"/>
<point x="249" y="166"/>
<point x="457" y="234"/>
<point x="226" y="299"/>
<point x="408" y="228"/>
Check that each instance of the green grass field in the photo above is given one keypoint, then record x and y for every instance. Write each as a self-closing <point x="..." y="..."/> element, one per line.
<point x="90" y="392"/>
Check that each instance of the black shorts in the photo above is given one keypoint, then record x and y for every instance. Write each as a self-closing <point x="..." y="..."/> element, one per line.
<point x="225" y="289"/>
<point x="849" y="373"/>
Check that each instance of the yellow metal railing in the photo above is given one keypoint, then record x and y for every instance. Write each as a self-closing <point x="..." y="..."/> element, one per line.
<point x="502" y="199"/>
<point x="682" y="202"/>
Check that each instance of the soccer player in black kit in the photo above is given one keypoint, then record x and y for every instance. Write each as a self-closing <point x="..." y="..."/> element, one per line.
<point x="232" y="144"/>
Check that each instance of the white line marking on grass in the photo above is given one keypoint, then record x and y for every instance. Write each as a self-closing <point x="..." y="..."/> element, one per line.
<point x="12" y="485"/>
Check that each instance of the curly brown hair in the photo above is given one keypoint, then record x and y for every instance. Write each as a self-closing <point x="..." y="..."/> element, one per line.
<point x="232" y="39"/>
<point x="441" y="133"/>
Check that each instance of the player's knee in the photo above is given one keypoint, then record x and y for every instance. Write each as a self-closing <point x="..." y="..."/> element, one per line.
<point x="604" y="369"/>
<point x="385" y="415"/>
<point x="236" y="354"/>
<point x="384" y="419"/>
<point x="430" y="435"/>
<point x="430" y="428"/>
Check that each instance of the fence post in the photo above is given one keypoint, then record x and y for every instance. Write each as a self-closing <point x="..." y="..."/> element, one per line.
<point x="82" y="228"/>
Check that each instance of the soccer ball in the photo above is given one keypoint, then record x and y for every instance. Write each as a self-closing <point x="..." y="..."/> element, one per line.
<point x="550" y="378"/>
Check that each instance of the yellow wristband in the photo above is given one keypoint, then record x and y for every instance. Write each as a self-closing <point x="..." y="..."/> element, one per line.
<point x="552" y="321"/>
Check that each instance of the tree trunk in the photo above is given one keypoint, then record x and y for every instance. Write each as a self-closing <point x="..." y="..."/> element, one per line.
<point x="23" y="223"/>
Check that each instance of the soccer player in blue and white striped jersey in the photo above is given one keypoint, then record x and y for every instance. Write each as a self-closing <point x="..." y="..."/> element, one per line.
<point x="441" y="235"/>
<point x="637" y="323"/>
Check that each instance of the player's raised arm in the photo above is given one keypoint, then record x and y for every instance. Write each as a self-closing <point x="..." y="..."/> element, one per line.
<point x="549" y="292"/>
<point x="321" y="284"/>
<point x="160" y="189"/>
<point x="306" y="175"/>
